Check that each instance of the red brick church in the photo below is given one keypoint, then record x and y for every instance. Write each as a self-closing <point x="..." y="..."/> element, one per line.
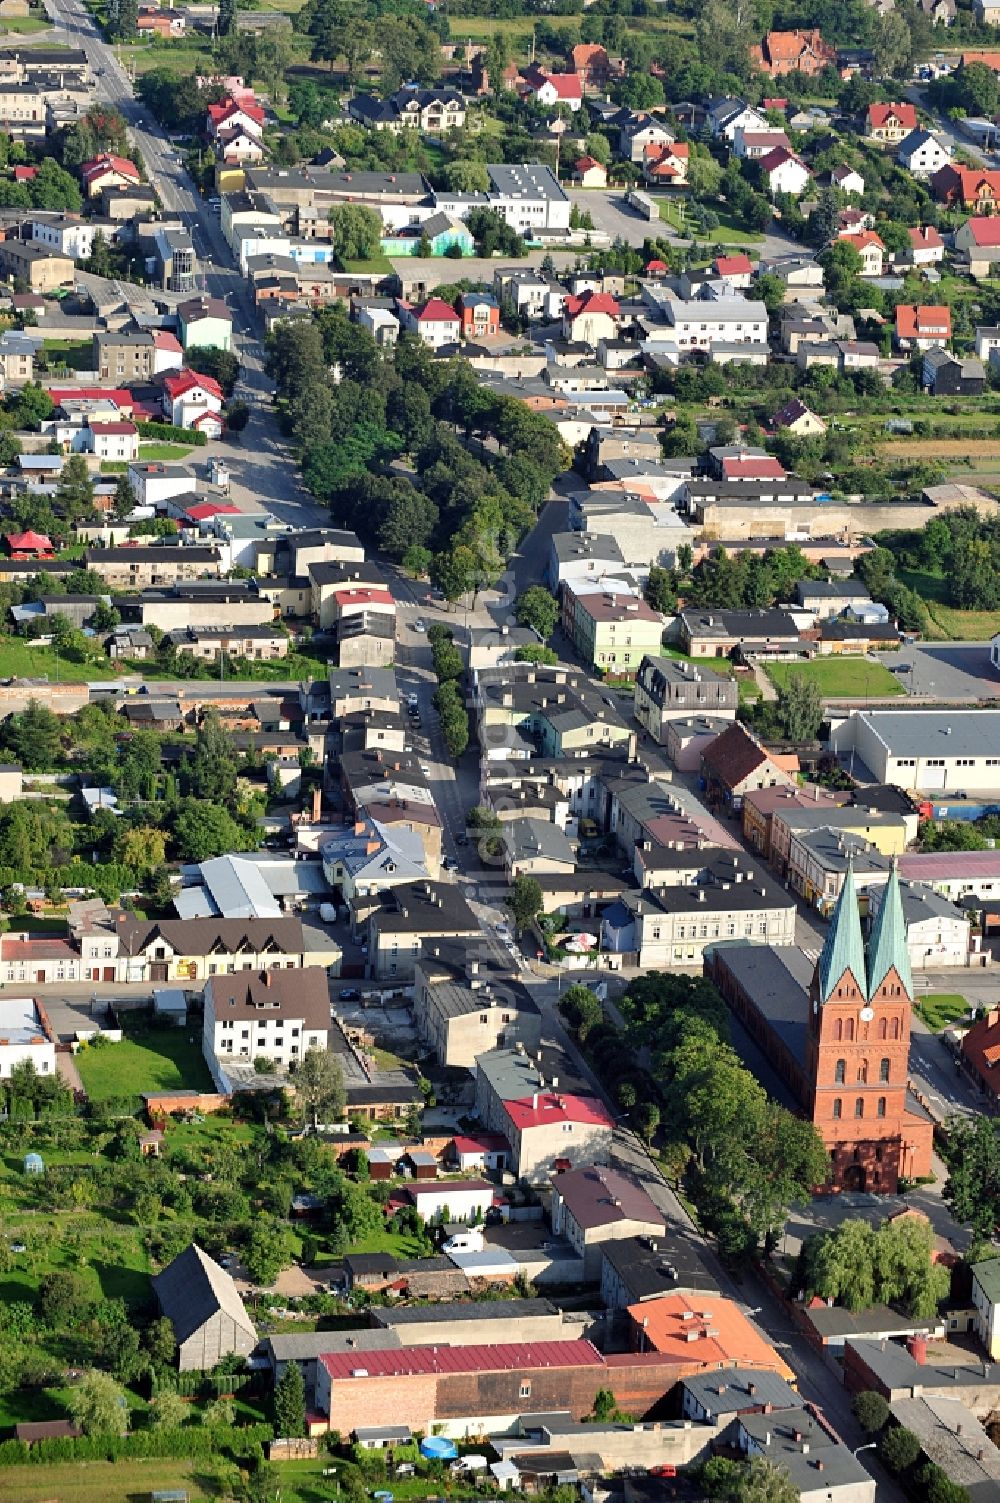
<point x="838" y="1036"/>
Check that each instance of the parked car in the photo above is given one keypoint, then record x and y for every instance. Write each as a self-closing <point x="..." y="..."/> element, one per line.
<point x="350" y="995"/>
<point x="419" y="625"/>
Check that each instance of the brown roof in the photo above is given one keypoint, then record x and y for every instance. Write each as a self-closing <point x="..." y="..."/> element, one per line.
<point x="734" y="755"/>
<point x="205" y="935"/>
<point x="602" y="1197"/>
<point x="59" y="1429"/>
<point x="293" y="993"/>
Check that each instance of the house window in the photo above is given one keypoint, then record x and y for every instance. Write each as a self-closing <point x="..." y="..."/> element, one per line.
<point x="859" y="1107"/>
<point x="525" y="1391"/>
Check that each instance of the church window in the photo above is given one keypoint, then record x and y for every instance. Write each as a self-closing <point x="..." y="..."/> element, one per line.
<point x="840" y="1075"/>
<point x="859" y="1107"/>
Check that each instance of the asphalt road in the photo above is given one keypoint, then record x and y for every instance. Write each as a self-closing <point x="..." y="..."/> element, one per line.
<point x="262" y="468"/>
<point x="958" y="671"/>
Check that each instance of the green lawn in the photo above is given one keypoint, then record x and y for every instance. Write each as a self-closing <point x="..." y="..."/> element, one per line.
<point x="939" y="1009"/>
<point x="19" y="659"/>
<point x="712" y="665"/>
<point x="25" y="24"/>
<point x="394" y="1243"/>
<point x="77" y="354"/>
<point x="123" y="1482"/>
<point x="161" y="1059"/>
<point x="947" y="621"/>
<point x="375" y="265"/>
<point x="164" y="451"/>
<point x="839" y="676"/>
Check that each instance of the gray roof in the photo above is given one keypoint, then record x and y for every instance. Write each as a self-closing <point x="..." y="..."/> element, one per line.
<point x="894" y="1367"/>
<point x="797" y="1443"/>
<point x="666" y="1264"/>
<point x="525" y="180"/>
<point x="953" y="1438"/>
<point x="835" y="1320"/>
<point x="777" y="980"/>
<point x="307" y="1346"/>
<point x="934" y="733"/>
<point x="194" y="1288"/>
<point x="513" y="1076"/>
<point x="833" y="849"/>
<point x="461" y="1311"/>
<point x="737" y="1390"/>
<point x="526" y="838"/>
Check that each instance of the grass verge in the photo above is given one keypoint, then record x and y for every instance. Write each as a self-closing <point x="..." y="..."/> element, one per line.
<point x="940" y="1009"/>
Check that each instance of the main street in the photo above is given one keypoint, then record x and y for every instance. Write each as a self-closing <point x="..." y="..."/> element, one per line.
<point x="264" y="474"/>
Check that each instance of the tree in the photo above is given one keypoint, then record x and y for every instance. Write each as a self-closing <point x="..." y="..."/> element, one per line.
<point x="582" y="1010"/>
<point x="160" y="1343"/>
<point x="74" y="497"/>
<point x="290" y="1403"/>
<point x="169" y="1411"/>
<point x="454" y="717"/>
<point x="237" y="415"/>
<point x="203" y="830"/>
<point x="357" y="231"/>
<point x="32" y="738"/>
<point x="97" y="1404"/>
<point x="62" y="1299"/>
<point x="220" y="1414"/>
<point x="466" y="177"/>
<point x="268" y="1250"/>
<point x="973" y="1187"/>
<point x="800" y="708"/>
<point x="319" y="1082"/>
<point x="757" y="1481"/>
<point x="539" y="609"/>
<point x="524" y="899"/>
<point x="660" y="592"/>
<point x="899" y="1448"/>
<point x="227" y="17"/>
<point x="416" y="561"/>
<point x="536" y="652"/>
<point x="409" y="521"/>
<point x="937" y="1487"/>
<point x="140" y="847"/>
<point x="871" y="1411"/>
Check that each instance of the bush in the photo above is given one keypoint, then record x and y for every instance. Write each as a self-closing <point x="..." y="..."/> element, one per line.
<point x="166" y="433"/>
<point x="899" y="1448"/>
<point x="205" y="1441"/>
<point x="871" y="1411"/>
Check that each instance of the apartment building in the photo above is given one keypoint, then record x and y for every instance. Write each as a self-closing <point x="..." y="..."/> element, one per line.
<point x="464" y="1004"/>
<point x="667" y="690"/>
<point x="274" y="1014"/>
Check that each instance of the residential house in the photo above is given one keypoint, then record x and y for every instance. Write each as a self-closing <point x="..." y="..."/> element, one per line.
<point x="592" y="65"/>
<point x="205" y="322"/>
<point x="870" y="248"/>
<point x="926" y="246"/>
<point x="941" y="12"/>
<point x="112" y="440"/>
<point x="667" y="164"/>
<point x="641" y="133"/>
<point x="718" y="634"/>
<point x="553" y="1130"/>
<point x="591" y="317"/>
<point x="196" y="949"/>
<point x="612" y="630"/>
<point x="479" y="315"/>
<point x="922" y="327"/>
<point x="751" y="145"/>
<point x="974" y="188"/>
<point x="637" y="1269"/>
<point x="191" y="400"/>
<point x="535" y="847"/>
<point x="552" y="89"/>
<point x="938" y="931"/>
<point x="945" y="375"/>
<point x="433" y="321"/>
<point x="698" y="325"/>
<point x="711" y="1332"/>
<point x="594" y="1205"/>
<point x="428" y="111"/>
<point x="465" y="1004"/>
<point x="398" y="922"/>
<point x="588" y="172"/>
<point x="922" y="153"/>
<point x="726" y="116"/>
<point x="784" y="172"/>
<point x="847" y="180"/>
<point x="977" y="242"/>
<point x="760" y="806"/>
<point x="890" y="123"/>
<point x="124" y="356"/>
<point x="802" y="1447"/>
<point x="40" y="269"/>
<point x="987" y="12"/>
<point x="278" y="1015"/>
<point x="161" y="23"/>
<point x="108" y="171"/>
<point x="736" y="763"/>
<point x="17" y="358"/>
<point x="803" y="51"/>
<point x="202" y="1304"/>
<point x="795" y="417"/>
<point x="668" y="690"/>
<point x="26" y="1036"/>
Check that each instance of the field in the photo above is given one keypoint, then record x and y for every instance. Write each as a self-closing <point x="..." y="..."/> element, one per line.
<point x="839" y="677"/>
<point x="162" y="1059"/>
<point x="116" y="1482"/>
<point x="940" y="1009"/>
<point x="18" y="659"/>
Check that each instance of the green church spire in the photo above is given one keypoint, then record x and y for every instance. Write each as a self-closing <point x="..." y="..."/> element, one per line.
<point x="887" y="946"/>
<point x="844" y="949"/>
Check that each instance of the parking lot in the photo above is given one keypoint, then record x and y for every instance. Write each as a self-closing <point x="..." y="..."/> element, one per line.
<point x="958" y="671"/>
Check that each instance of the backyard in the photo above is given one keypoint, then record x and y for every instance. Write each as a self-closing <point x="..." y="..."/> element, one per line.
<point x="840" y="677"/>
<point x="947" y="622"/>
<point x="160" y="1059"/>
<point x="19" y="659"/>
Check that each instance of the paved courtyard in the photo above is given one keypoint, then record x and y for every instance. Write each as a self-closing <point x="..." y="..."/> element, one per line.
<point x="959" y="671"/>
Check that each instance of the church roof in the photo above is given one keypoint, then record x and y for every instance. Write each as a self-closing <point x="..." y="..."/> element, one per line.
<point x="843" y="949"/>
<point x="887" y="946"/>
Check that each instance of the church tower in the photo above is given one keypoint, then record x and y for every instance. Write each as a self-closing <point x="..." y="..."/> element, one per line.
<point x="858" y="1046"/>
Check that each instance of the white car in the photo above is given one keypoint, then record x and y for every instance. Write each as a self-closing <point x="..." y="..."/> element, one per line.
<point x="413" y="700"/>
<point x="425" y="769"/>
<point x="419" y="626"/>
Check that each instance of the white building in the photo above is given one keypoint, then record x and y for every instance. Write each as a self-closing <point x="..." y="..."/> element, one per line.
<point x="930" y="751"/>
<point x="25" y="1036"/>
<point x="73" y="237"/>
<point x="277" y="1015"/>
<point x="457" y="1199"/>
<point x="986" y="1299"/>
<point x="922" y="154"/>
<point x="937" y="930"/>
<point x="154" y="483"/>
<point x="698" y="325"/>
<point x="527" y="194"/>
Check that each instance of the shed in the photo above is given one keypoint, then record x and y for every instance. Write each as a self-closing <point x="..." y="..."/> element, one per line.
<point x="203" y="1305"/>
<point x="424" y="1164"/>
<point x="34" y="1163"/>
<point x="383" y="1437"/>
<point x="381" y="1163"/>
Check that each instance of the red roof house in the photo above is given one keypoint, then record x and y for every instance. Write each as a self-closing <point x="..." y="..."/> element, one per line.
<point x="553" y="88"/>
<point x="28" y="544"/>
<point x="733" y="266"/>
<point x="109" y="171"/>
<point x="25" y="174"/>
<point x="923" y="326"/>
<point x="794" y="52"/>
<point x="182" y="382"/>
<point x="891" y="122"/>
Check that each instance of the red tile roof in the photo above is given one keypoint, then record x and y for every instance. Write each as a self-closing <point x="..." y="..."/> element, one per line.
<point x="25" y="174"/>
<point x="985" y="230"/>
<point x="177" y="383"/>
<point x="593" y="302"/>
<point x="217" y="113"/>
<point x="778" y="157"/>
<point x="503" y="1357"/>
<point x="206" y="509"/>
<point x="755" y="467"/>
<point x="363" y="595"/>
<point x="863" y="238"/>
<point x="108" y="162"/>
<point x="59" y="394"/>
<point x="28" y="542"/>
<point x="586" y="54"/>
<point x="734" y="755"/>
<point x="925" y="237"/>
<point x="122" y="429"/>
<point x="903" y="115"/>
<point x="164" y="340"/>
<point x="36" y="949"/>
<point x="924" y="321"/>
<point x="547" y="1107"/>
<point x="566" y="85"/>
<point x="733" y="266"/>
<point x="436" y="311"/>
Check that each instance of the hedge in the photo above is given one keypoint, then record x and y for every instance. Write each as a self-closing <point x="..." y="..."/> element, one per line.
<point x="202" y="1440"/>
<point x="197" y="1385"/>
<point x="168" y="433"/>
